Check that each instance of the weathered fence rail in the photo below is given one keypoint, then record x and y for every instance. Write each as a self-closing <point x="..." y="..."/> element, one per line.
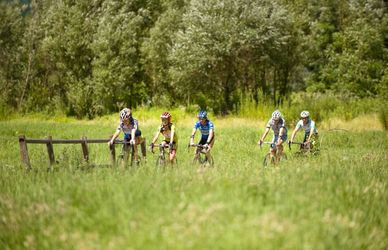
<point x="49" y="141"/>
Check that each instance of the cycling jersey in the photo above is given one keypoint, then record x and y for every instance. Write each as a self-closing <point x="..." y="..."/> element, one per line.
<point x="277" y="126"/>
<point x="127" y="129"/>
<point x="310" y="125"/>
<point x="204" y="128"/>
<point x="166" y="131"/>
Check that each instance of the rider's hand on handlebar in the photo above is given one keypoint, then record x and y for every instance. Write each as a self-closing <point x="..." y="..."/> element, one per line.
<point x="152" y="147"/>
<point x="132" y="142"/>
<point x="171" y="146"/>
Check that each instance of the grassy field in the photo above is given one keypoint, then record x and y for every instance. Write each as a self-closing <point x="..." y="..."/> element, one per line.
<point x="337" y="200"/>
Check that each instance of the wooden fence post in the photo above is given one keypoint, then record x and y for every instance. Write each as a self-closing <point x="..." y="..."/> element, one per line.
<point x="112" y="154"/>
<point x="85" y="150"/>
<point x="24" y="151"/>
<point x="50" y="150"/>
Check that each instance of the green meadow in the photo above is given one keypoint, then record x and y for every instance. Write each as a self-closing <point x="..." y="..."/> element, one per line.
<point x="336" y="200"/>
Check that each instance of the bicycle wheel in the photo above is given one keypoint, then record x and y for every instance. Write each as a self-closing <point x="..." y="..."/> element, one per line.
<point x="268" y="159"/>
<point x="160" y="162"/>
<point x="196" y="159"/>
<point x="283" y="157"/>
<point x="207" y="161"/>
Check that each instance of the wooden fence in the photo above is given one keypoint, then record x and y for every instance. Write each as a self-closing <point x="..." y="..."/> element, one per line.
<point x="50" y="149"/>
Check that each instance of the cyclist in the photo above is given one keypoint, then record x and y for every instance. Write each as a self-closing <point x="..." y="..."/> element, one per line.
<point x="310" y="131"/>
<point x="278" y="125"/>
<point x="207" y="132"/>
<point x="168" y="130"/>
<point x="129" y="126"/>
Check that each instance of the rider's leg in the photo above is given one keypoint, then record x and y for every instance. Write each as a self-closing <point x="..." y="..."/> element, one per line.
<point x="280" y="145"/>
<point x="210" y="146"/>
<point x="143" y="148"/>
<point x="172" y="156"/>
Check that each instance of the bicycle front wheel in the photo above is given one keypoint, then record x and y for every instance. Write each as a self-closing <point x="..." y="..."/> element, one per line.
<point x="267" y="159"/>
<point x="207" y="161"/>
<point x="160" y="162"/>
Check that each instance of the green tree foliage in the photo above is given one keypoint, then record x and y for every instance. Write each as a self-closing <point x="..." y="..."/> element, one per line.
<point x="156" y="50"/>
<point x="87" y="58"/>
<point x="117" y="72"/>
<point x="224" y="45"/>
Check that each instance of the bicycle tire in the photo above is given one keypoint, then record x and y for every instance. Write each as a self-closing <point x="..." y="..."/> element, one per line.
<point x="160" y="162"/>
<point x="206" y="160"/>
<point x="268" y="159"/>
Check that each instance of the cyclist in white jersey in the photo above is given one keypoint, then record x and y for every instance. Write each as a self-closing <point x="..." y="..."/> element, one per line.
<point x="278" y="125"/>
<point x="310" y="131"/>
<point x="129" y="126"/>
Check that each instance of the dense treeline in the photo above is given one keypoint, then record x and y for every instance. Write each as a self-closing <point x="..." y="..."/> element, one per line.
<point x="91" y="57"/>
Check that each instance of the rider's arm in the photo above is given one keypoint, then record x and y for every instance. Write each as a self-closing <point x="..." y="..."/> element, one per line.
<point x="114" y="136"/>
<point x="293" y="134"/>
<point x="172" y="133"/>
<point x="155" y="137"/>
<point x="210" y="137"/>
<point x="264" y="135"/>
<point x="297" y="127"/>
<point x="312" y="130"/>
<point x="281" y="132"/>
<point x="192" y="135"/>
<point x="133" y="131"/>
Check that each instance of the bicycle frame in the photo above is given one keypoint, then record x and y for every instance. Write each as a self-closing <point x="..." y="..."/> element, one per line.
<point x="161" y="161"/>
<point x="126" y="149"/>
<point x="269" y="158"/>
<point x="200" y="155"/>
<point x="303" y="147"/>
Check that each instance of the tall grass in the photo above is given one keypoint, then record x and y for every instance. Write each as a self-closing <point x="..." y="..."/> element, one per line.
<point x="322" y="107"/>
<point x="336" y="200"/>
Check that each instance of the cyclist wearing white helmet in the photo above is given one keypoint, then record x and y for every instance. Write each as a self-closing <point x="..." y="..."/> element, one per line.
<point x="206" y="127"/>
<point x="129" y="126"/>
<point x="308" y="126"/>
<point x="278" y="125"/>
<point x="167" y="129"/>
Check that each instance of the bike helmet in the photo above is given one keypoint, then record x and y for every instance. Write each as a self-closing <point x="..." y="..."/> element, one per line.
<point x="125" y="114"/>
<point x="166" y="115"/>
<point x="202" y="114"/>
<point x="304" y="114"/>
<point x="276" y="115"/>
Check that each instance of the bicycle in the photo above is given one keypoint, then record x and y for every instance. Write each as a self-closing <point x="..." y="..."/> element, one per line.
<point x="269" y="159"/>
<point x="200" y="155"/>
<point x="127" y="152"/>
<point x="306" y="148"/>
<point x="161" y="160"/>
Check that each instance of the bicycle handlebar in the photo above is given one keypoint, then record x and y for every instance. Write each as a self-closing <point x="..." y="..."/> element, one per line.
<point x="197" y="145"/>
<point x="266" y="142"/>
<point x="160" y="146"/>
<point x="297" y="143"/>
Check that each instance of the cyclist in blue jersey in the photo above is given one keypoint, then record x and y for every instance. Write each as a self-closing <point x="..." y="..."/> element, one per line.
<point x="278" y="125"/>
<point x="206" y="127"/>
<point x="129" y="126"/>
<point x="310" y="131"/>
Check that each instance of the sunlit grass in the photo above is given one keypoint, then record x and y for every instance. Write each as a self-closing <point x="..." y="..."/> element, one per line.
<point x="336" y="200"/>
